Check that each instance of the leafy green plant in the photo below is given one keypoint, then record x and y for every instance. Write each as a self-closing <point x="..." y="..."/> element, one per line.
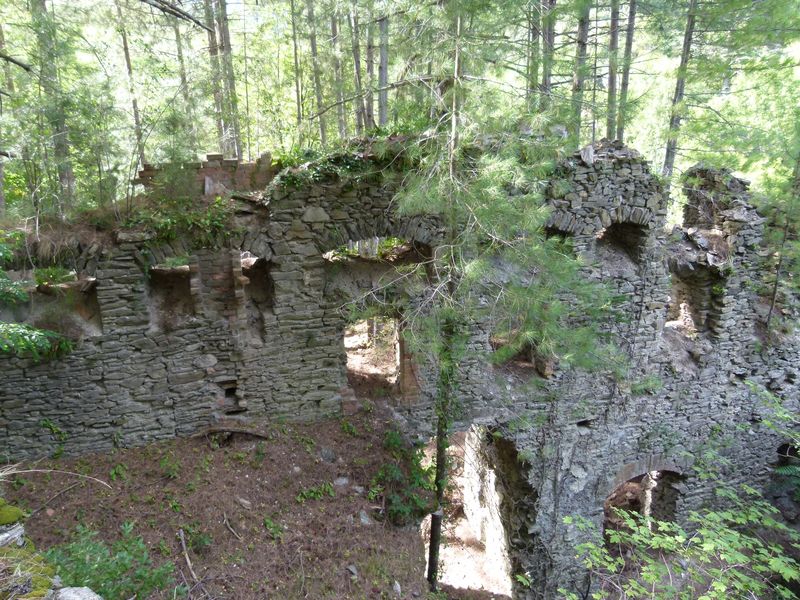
<point x="12" y="292"/>
<point x="274" y="529"/>
<point x="176" y="261"/>
<point x="52" y="275"/>
<point x="317" y="492"/>
<point x="197" y="539"/>
<point x="724" y="553"/>
<point x="647" y="385"/>
<point x="349" y="428"/>
<point x="58" y="434"/>
<point x="170" y="466"/>
<point x="18" y="339"/>
<point x="118" y="471"/>
<point x="119" y="572"/>
<point x="404" y="482"/>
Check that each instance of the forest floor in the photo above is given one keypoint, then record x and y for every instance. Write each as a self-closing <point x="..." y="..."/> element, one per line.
<point x="283" y="516"/>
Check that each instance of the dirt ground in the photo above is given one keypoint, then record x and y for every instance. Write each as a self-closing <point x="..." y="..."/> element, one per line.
<point x="239" y="500"/>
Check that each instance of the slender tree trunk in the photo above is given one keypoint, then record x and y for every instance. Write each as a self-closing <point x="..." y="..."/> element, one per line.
<point x="229" y="79"/>
<point x="312" y="25"/>
<point x="9" y="84"/>
<point x="297" y="75"/>
<point x="337" y="75"/>
<point x="677" y="99"/>
<point x="613" y="46"/>
<point x="532" y="59"/>
<point x="383" y="72"/>
<point x="137" y="122"/>
<point x="50" y="83"/>
<point x="626" y="71"/>
<point x="447" y="355"/>
<point x="579" y="76"/>
<point x="361" y="116"/>
<point x="548" y="50"/>
<point x="370" y="98"/>
<point x="216" y="73"/>
<point x="185" y="92"/>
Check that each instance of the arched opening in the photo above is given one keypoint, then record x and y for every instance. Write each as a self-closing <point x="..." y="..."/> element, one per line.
<point x="654" y="495"/>
<point x="620" y="248"/>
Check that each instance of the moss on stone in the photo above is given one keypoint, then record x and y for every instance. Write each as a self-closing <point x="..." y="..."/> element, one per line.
<point x="10" y="514"/>
<point x="27" y="566"/>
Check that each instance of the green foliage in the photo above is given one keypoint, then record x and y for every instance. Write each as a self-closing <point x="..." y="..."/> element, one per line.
<point x="118" y="471"/>
<point x="199" y="540"/>
<point x="274" y="529"/>
<point x="119" y="572"/>
<point x="205" y="226"/>
<point x="52" y="275"/>
<point x="176" y="261"/>
<point x="170" y="466"/>
<point x="55" y="431"/>
<point x="12" y="292"/>
<point x="724" y="554"/>
<point x="649" y="384"/>
<point x="404" y="482"/>
<point x="317" y="492"/>
<point x="349" y="428"/>
<point x="18" y="339"/>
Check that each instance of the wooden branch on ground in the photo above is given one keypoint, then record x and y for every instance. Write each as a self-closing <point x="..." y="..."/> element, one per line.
<point x="49" y="500"/>
<point x="228" y="525"/>
<point x="15" y="61"/>
<point x="170" y="9"/>
<point x="186" y="555"/>
<point x="212" y="430"/>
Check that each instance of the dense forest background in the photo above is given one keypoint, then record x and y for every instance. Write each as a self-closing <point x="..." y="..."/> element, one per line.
<point x="91" y="89"/>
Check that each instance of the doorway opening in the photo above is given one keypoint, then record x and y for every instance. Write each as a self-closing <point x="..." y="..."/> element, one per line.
<point x="373" y="356"/>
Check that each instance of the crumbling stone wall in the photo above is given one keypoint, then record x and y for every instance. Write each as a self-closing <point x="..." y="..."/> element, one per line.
<point x="258" y="331"/>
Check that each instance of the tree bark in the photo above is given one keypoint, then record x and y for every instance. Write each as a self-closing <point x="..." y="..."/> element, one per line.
<point x="235" y="137"/>
<point x="298" y="97"/>
<point x="626" y="71"/>
<point x="361" y="118"/>
<point x="579" y="75"/>
<point x="369" y="98"/>
<point x="613" y="46"/>
<point x="383" y="72"/>
<point x="6" y="65"/>
<point x="216" y="73"/>
<point x="323" y="137"/>
<point x="446" y="390"/>
<point x="50" y="83"/>
<point x="532" y="59"/>
<point x="337" y="75"/>
<point x="548" y="50"/>
<point x="9" y="83"/>
<point x="680" y="88"/>
<point x="187" y="97"/>
<point x="137" y="122"/>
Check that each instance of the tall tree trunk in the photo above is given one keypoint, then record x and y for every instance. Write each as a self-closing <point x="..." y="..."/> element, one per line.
<point x="9" y="84"/>
<point x="447" y="354"/>
<point x="49" y="81"/>
<point x="298" y="96"/>
<point x="532" y="18"/>
<point x="337" y="76"/>
<point x="548" y="50"/>
<point x="187" y="97"/>
<point x="680" y="88"/>
<point x="137" y="122"/>
<point x="383" y="72"/>
<point x="235" y="137"/>
<point x="361" y="117"/>
<point x="626" y="71"/>
<point x="216" y="73"/>
<point x="613" y="46"/>
<point x="312" y="25"/>
<point x="369" y="99"/>
<point x="579" y="75"/>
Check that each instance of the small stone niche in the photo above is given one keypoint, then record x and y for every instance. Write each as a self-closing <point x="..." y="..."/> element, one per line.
<point x="70" y="308"/>
<point x="696" y="302"/>
<point x="621" y="247"/>
<point x="170" y="299"/>
<point x="654" y="495"/>
<point x="259" y="293"/>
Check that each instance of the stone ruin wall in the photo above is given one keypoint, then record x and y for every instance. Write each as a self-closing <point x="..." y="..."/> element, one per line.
<point x="178" y="349"/>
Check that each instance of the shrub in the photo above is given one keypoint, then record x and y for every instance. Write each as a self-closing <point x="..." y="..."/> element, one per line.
<point x="119" y="572"/>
